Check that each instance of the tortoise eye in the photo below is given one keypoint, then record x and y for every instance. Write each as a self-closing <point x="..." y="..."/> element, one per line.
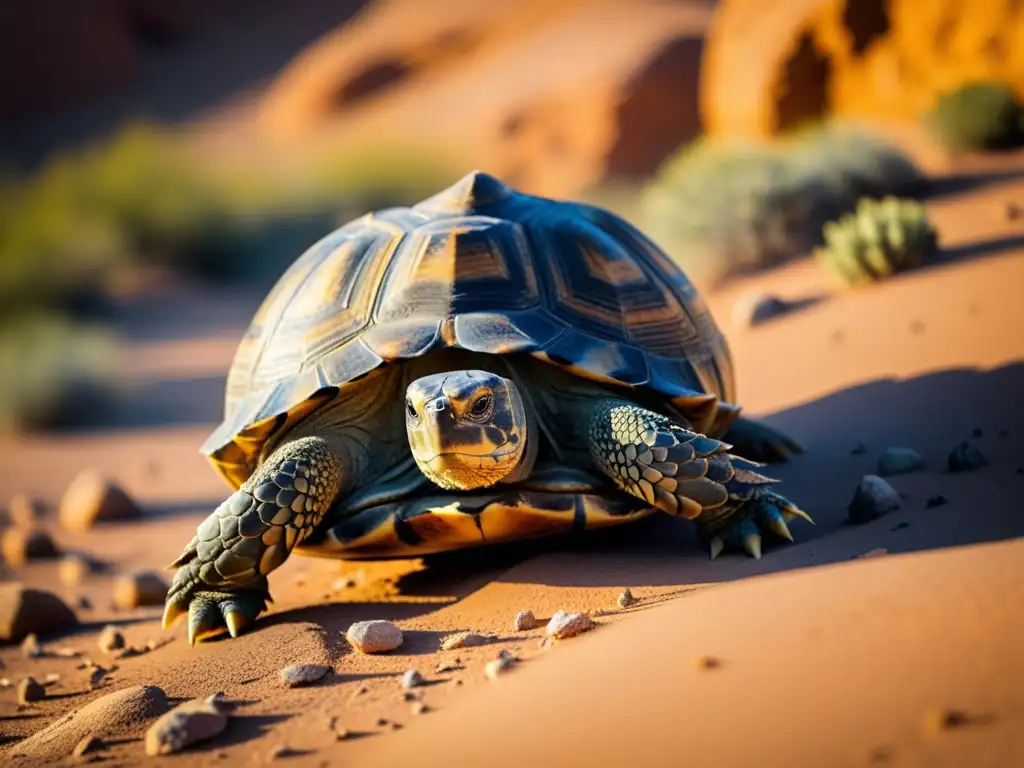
<point x="481" y="406"/>
<point x="411" y="409"/>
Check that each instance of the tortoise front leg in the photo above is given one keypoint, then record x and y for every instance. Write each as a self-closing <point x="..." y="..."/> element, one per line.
<point x="684" y="473"/>
<point x="760" y="442"/>
<point x="222" y="575"/>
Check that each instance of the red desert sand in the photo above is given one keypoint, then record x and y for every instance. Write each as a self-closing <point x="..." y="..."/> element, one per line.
<point x="812" y="656"/>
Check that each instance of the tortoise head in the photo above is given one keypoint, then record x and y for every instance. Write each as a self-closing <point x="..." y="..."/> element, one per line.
<point x="467" y="429"/>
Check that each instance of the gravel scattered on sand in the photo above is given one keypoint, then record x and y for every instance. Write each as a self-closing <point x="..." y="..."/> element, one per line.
<point x="30" y="690"/>
<point x="626" y="599"/>
<point x="465" y="640"/>
<point x="873" y="498"/>
<point x="966" y="457"/>
<point x="92" y="497"/>
<point x="564" y="625"/>
<point x="111" y="639"/>
<point x="374" y="636"/>
<point x="298" y="675"/>
<point x="21" y="545"/>
<point x="897" y="460"/>
<point x="140" y="589"/>
<point x="187" y="724"/>
<point x="525" y="621"/>
<point x="412" y="679"/>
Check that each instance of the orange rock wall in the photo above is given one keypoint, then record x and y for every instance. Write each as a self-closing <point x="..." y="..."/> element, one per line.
<point x="770" y="66"/>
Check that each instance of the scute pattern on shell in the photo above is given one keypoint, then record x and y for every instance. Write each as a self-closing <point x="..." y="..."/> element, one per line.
<point x="480" y="267"/>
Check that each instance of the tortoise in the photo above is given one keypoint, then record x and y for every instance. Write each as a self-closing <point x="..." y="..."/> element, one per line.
<point x="480" y="367"/>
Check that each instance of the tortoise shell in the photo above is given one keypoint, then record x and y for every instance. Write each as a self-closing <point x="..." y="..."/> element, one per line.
<point x="481" y="267"/>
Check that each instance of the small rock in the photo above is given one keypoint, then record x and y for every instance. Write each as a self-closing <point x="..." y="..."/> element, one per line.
<point x="936" y="501"/>
<point x="97" y="675"/>
<point x="84" y="603"/>
<point x="898" y="461"/>
<point x="873" y="498"/>
<point x="708" y="662"/>
<point x="186" y="724"/>
<point x="858" y="449"/>
<point x="73" y="570"/>
<point x="111" y="639"/>
<point x="89" y="744"/>
<point x="966" y="457"/>
<point x="1012" y="211"/>
<point x="877" y="552"/>
<point x="20" y="545"/>
<point x="464" y="640"/>
<point x="26" y="611"/>
<point x="374" y="636"/>
<point x="30" y="647"/>
<point x="420" y="707"/>
<point x="626" y="599"/>
<point x="383" y="722"/>
<point x="302" y="674"/>
<point x="23" y="510"/>
<point x="29" y="690"/>
<point x="412" y="696"/>
<point x="342" y="733"/>
<point x="412" y="679"/>
<point x="140" y="589"/>
<point x="499" y="666"/>
<point x="945" y="719"/>
<point x="5" y="682"/>
<point x="755" y="308"/>
<point x="524" y="621"/>
<point x="51" y="678"/>
<point x="91" y="498"/>
<point x="446" y="667"/>
<point x="563" y="625"/>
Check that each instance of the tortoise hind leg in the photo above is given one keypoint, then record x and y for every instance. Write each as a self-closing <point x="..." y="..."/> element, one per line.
<point x="759" y="442"/>
<point x="221" y="581"/>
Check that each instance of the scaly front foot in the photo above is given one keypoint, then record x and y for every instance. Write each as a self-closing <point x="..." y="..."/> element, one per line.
<point x="741" y="526"/>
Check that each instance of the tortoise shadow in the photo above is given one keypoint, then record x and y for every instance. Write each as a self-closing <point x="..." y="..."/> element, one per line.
<point x="930" y="413"/>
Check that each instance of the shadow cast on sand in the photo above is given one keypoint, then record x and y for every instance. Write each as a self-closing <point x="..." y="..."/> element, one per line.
<point x="960" y="183"/>
<point x="930" y="413"/>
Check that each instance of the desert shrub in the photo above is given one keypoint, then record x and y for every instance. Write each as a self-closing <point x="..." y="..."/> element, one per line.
<point x="55" y="370"/>
<point x="978" y="116"/>
<point x="879" y="239"/>
<point x="723" y="209"/>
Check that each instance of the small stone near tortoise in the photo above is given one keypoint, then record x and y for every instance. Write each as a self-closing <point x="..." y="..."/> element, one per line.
<point x="412" y="679"/>
<point x="464" y="640"/>
<point x="873" y="498"/>
<point x="524" y="621"/>
<point x="374" y="636"/>
<point x="111" y="639"/>
<point x="30" y="690"/>
<point x="564" y="625"/>
<point x="966" y="457"/>
<point x="140" y="589"/>
<point x="30" y="647"/>
<point x="297" y="675"/>
<point x="626" y="599"/>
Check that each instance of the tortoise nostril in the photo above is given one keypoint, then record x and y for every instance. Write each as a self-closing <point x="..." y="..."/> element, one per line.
<point x="437" y="404"/>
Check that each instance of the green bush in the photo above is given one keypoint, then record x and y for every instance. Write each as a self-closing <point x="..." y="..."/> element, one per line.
<point x="879" y="239"/>
<point x="723" y="209"/>
<point x="56" y="371"/>
<point x="978" y="116"/>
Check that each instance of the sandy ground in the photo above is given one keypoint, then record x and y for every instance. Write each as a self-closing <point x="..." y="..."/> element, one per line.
<point x="827" y="658"/>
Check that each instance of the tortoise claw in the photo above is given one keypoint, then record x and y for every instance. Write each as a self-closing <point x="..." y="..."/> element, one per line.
<point x="717" y="545"/>
<point x="172" y="612"/>
<point x="778" y="525"/>
<point x="752" y="544"/>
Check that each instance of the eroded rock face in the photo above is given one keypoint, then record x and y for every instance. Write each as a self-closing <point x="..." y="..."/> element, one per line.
<point x="885" y="58"/>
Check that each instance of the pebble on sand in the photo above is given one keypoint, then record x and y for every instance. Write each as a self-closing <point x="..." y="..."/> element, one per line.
<point x="90" y="498"/>
<point x="897" y="460"/>
<point x="626" y="599"/>
<point x="298" y="675"/>
<point x="525" y="621"/>
<point x="412" y="679"/>
<point x="495" y="668"/>
<point x="89" y="744"/>
<point x="30" y="690"/>
<point x="30" y="647"/>
<point x="755" y="308"/>
<point x="873" y="498"/>
<point x="464" y="640"/>
<point x="187" y="724"/>
<point x="420" y="707"/>
<point x="20" y="545"/>
<point x="966" y="457"/>
<point x="26" y="611"/>
<point x="73" y="570"/>
<point x="140" y="589"/>
<point x="374" y="636"/>
<point x="111" y="639"/>
<point x="563" y="625"/>
<point x="23" y="510"/>
<point x="938" y="720"/>
<point x="936" y="501"/>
